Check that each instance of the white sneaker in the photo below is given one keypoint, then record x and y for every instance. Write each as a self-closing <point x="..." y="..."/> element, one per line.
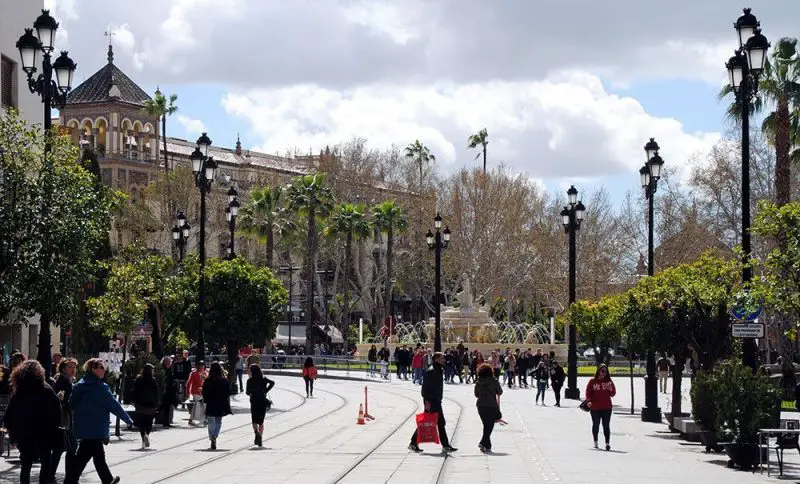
<point x="595" y="444"/>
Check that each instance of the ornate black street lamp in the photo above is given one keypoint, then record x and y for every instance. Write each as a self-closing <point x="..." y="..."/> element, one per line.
<point x="53" y="93"/>
<point x="744" y="70"/>
<point x="437" y="243"/>
<point x="180" y="234"/>
<point x="289" y="310"/>
<point x="649" y="174"/>
<point x="571" y="217"/>
<point x="231" y="212"/>
<point x="205" y="170"/>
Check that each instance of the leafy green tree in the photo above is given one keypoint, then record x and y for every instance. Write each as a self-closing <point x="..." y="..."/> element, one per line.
<point x="389" y="218"/>
<point x="243" y="305"/>
<point x="53" y="218"/>
<point x="310" y="196"/>
<point x="598" y="323"/>
<point x="122" y="307"/>
<point x="684" y="311"/>
<point x="479" y="139"/>
<point x="350" y="221"/>
<point x="779" y="287"/>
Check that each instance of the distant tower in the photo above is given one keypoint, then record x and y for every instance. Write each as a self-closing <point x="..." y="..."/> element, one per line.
<point x="238" y="145"/>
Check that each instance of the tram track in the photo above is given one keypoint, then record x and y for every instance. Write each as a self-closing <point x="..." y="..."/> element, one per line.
<point x="389" y="434"/>
<point x="228" y="431"/>
<point x="228" y="453"/>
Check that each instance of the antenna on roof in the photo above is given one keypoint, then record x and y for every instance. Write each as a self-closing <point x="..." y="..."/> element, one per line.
<point x="110" y="34"/>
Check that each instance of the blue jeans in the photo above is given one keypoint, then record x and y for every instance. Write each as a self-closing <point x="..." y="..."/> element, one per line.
<point x="214" y="426"/>
<point x="419" y="373"/>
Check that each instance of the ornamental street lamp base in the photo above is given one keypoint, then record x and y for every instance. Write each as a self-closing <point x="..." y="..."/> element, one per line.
<point x="651" y="414"/>
<point x="572" y="394"/>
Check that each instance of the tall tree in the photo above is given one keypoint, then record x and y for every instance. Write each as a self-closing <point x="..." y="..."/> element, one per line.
<point x="481" y="138"/>
<point x="350" y="221"/>
<point x="161" y="107"/>
<point x="781" y="88"/>
<point x="310" y="196"/>
<point x="421" y="154"/>
<point x="390" y="219"/>
<point x="53" y="218"/>
<point x="264" y="217"/>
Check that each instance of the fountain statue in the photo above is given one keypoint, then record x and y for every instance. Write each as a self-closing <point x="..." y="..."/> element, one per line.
<point x="469" y="324"/>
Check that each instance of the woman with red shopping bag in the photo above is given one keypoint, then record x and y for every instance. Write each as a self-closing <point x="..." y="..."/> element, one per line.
<point x="432" y="392"/>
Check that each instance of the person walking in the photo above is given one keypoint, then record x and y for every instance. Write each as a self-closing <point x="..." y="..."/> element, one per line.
<point x="181" y="369"/>
<point x="432" y="394"/>
<point x="557" y="377"/>
<point x="599" y="393"/>
<point x="487" y="393"/>
<point x="217" y="398"/>
<point x="257" y="388"/>
<point x="663" y="373"/>
<point x="542" y="378"/>
<point x="417" y="368"/>
<point x="32" y="418"/>
<point x="146" y="401"/>
<point x="67" y="369"/>
<point x="309" y="375"/>
<point x="194" y="388"/>
<point x="522" y="369"/>
<point x="169" y="399"/>
<point x="372" y="357"/>
<point x="92" y="403"/>
<point x="240" y="372"/>
<point x="511" y="362"/>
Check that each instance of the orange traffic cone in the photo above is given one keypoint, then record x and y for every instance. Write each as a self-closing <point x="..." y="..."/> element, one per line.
<point x="360" y="420"/>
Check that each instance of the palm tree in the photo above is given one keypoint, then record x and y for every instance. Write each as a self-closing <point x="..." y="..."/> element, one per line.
<point x="421" y="154"/>
<point x="779" y="86"/>
<point x="312" y="197"/>
<point x="264" y="218"/>
<point x="350" y="221"/>
<point x="389" y="218"/>
<point x="161" y="107"/>
<point x="481" y="138"/>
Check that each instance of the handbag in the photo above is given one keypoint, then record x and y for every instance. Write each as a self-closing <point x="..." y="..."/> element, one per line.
<point x="427" y="427"/>
<point x="585" y="406"/>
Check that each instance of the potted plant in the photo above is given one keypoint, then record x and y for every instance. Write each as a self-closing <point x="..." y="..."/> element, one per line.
<point x="745" y="403"/>
<point x="704" y="410"/>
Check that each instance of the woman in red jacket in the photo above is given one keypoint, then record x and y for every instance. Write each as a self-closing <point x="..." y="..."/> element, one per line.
<point x="309" y="375"/>
<point x="599" y="393"/>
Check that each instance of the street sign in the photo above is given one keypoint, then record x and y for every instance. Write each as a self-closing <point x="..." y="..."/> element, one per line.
<point x="747" y="330"/>
<point x="746" y="308"/>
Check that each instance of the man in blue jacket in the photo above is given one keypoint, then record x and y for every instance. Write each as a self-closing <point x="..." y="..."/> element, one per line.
<point x="93" y="403"/>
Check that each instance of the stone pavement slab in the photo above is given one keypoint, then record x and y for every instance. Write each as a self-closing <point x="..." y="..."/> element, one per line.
<point x="317" y="441"/>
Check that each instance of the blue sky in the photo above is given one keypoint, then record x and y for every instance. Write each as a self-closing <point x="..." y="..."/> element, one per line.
<point x="572" y="100"/>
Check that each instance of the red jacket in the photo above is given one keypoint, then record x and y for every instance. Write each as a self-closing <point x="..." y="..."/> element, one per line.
<point x="417" y="361"/>
<point x="310" y="372"/>
<point x="600" y="393"/>
<point x="194" y="386"/>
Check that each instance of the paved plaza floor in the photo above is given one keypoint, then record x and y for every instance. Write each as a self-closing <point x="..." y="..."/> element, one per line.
<point x="317" y="440"/>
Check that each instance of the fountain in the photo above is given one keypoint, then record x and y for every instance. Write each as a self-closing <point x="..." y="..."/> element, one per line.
<point x="468" y="325"/>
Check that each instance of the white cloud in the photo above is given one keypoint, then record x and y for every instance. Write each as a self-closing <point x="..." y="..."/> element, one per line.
<point x="565" y="125"/>
<point x="192" y="126"/>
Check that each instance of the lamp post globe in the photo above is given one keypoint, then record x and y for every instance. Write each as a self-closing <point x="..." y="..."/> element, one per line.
<point x="756" y="50"/>
<point x="29" y="48"/>
<point x="46" y="26"/>
<point x="64" y="68"/>
<point x="745" y="26"/>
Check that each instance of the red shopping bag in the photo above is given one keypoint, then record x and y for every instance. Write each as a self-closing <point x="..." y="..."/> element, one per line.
<point x="427" y="428"/>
